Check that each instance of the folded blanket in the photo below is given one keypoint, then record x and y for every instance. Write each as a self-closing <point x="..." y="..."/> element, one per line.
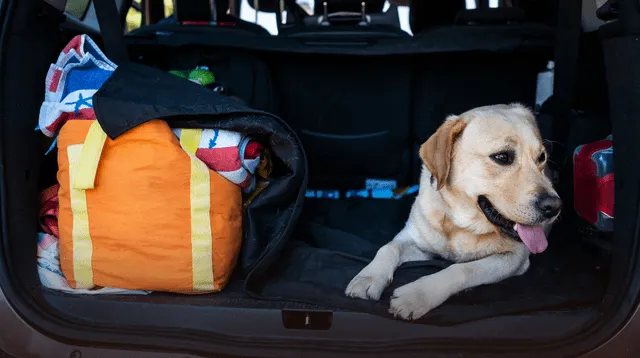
<point x="80" y="71"/>
<point x="49" y="210"/>
<point x="51" y="276"/>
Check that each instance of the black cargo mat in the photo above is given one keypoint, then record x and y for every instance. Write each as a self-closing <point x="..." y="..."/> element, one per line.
<point x="336" y="239"/>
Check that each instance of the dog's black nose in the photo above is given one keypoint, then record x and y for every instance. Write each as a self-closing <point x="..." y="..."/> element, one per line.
<point x="549" y="205"/>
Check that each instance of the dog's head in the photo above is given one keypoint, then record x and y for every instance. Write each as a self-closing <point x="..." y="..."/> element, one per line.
<point x="493" y="159"/>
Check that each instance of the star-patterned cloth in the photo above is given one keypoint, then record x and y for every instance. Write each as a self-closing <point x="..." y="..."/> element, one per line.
<point x="79" y="72"/>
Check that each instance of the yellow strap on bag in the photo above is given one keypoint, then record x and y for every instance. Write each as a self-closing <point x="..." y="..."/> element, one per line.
<point x="83" y="166"/>
<point x="89" y="158"/>
<point x="80" y="236"/>
<point x="200" y="193"/>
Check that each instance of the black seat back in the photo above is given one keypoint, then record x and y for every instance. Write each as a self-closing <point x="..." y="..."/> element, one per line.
<point x="475" y="72"/>
<point x="351" y="114"/>
<point x="213" y="12"/>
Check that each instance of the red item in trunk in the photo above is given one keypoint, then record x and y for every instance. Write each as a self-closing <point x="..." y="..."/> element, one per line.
<point x="593" y="183"/>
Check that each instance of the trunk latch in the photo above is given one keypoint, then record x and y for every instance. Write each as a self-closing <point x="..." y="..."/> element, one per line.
<point x="315" y="320"/>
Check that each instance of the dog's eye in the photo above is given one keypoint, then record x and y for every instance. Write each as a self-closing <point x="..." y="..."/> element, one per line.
<point x="542" y="157"/>
<point x="503" y="158"/>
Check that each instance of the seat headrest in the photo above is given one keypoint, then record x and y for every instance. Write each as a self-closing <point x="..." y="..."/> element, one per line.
<point x="372" y="6"/>
<point x="426" y="14"/>
<point x="270" y="6"/>
<point x="198" y="10"/>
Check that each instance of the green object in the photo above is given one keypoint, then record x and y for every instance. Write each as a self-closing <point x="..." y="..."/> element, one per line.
<point x="182" y="74"/>
<point x="77" y="8"/>
<point x="202" y="75"/>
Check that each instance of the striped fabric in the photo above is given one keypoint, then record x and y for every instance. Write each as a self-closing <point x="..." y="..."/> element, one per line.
<point x="201" y="237"/>
<point x="230" y="154"/>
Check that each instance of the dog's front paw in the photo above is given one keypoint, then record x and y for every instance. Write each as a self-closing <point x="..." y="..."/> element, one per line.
<point x="368" y="287"/>
<point x="414" y="300"/>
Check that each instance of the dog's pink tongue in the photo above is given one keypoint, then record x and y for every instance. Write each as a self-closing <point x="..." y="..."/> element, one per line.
<point x="533" y="237"/>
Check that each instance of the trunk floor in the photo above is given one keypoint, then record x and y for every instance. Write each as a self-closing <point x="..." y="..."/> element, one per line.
<point x="336" y="239"/>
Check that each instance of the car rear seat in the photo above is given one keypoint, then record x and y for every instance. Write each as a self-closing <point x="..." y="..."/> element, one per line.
<point x="352" y="113"/>
<point x="380" y="24"/>
<point x="240" y="73"/>
<point x="373" y="8"/>
<point x="199" y="12"/>
<point x="453" y="82"/>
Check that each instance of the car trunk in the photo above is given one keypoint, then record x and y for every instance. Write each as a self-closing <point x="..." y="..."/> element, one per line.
<point x="361" y="117"/>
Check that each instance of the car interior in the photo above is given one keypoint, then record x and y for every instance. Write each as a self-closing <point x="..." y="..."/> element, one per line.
<point x="361" y="95"/>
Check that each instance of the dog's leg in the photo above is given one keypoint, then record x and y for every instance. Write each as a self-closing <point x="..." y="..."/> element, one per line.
<point x="415" y="299"/>
<point x="376" y="276"/>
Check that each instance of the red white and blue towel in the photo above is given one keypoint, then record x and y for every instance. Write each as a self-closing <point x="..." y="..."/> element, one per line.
<point x="79" y="72"/>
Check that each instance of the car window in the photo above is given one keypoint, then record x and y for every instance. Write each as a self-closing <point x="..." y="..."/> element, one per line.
<point x="134" y="14"/>
<point x="268" y="19"/>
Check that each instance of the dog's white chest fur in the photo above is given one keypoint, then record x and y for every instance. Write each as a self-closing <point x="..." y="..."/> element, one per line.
<point x="459" y="237"/>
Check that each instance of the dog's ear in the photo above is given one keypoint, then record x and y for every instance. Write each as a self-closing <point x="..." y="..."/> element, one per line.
<point x="437" y="150"/>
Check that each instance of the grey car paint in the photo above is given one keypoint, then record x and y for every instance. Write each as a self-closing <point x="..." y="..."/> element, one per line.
<point x="20" y="340"/>
<point x="23" y="341"/>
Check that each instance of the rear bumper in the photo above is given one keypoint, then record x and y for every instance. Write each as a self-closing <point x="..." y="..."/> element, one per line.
<point x="19" y="340"/>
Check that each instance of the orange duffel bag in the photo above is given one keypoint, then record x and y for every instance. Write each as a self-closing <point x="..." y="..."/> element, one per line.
<point x="141" y="212"/>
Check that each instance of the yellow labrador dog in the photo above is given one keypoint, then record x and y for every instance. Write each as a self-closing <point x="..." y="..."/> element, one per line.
<point x="485" y="203"/>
